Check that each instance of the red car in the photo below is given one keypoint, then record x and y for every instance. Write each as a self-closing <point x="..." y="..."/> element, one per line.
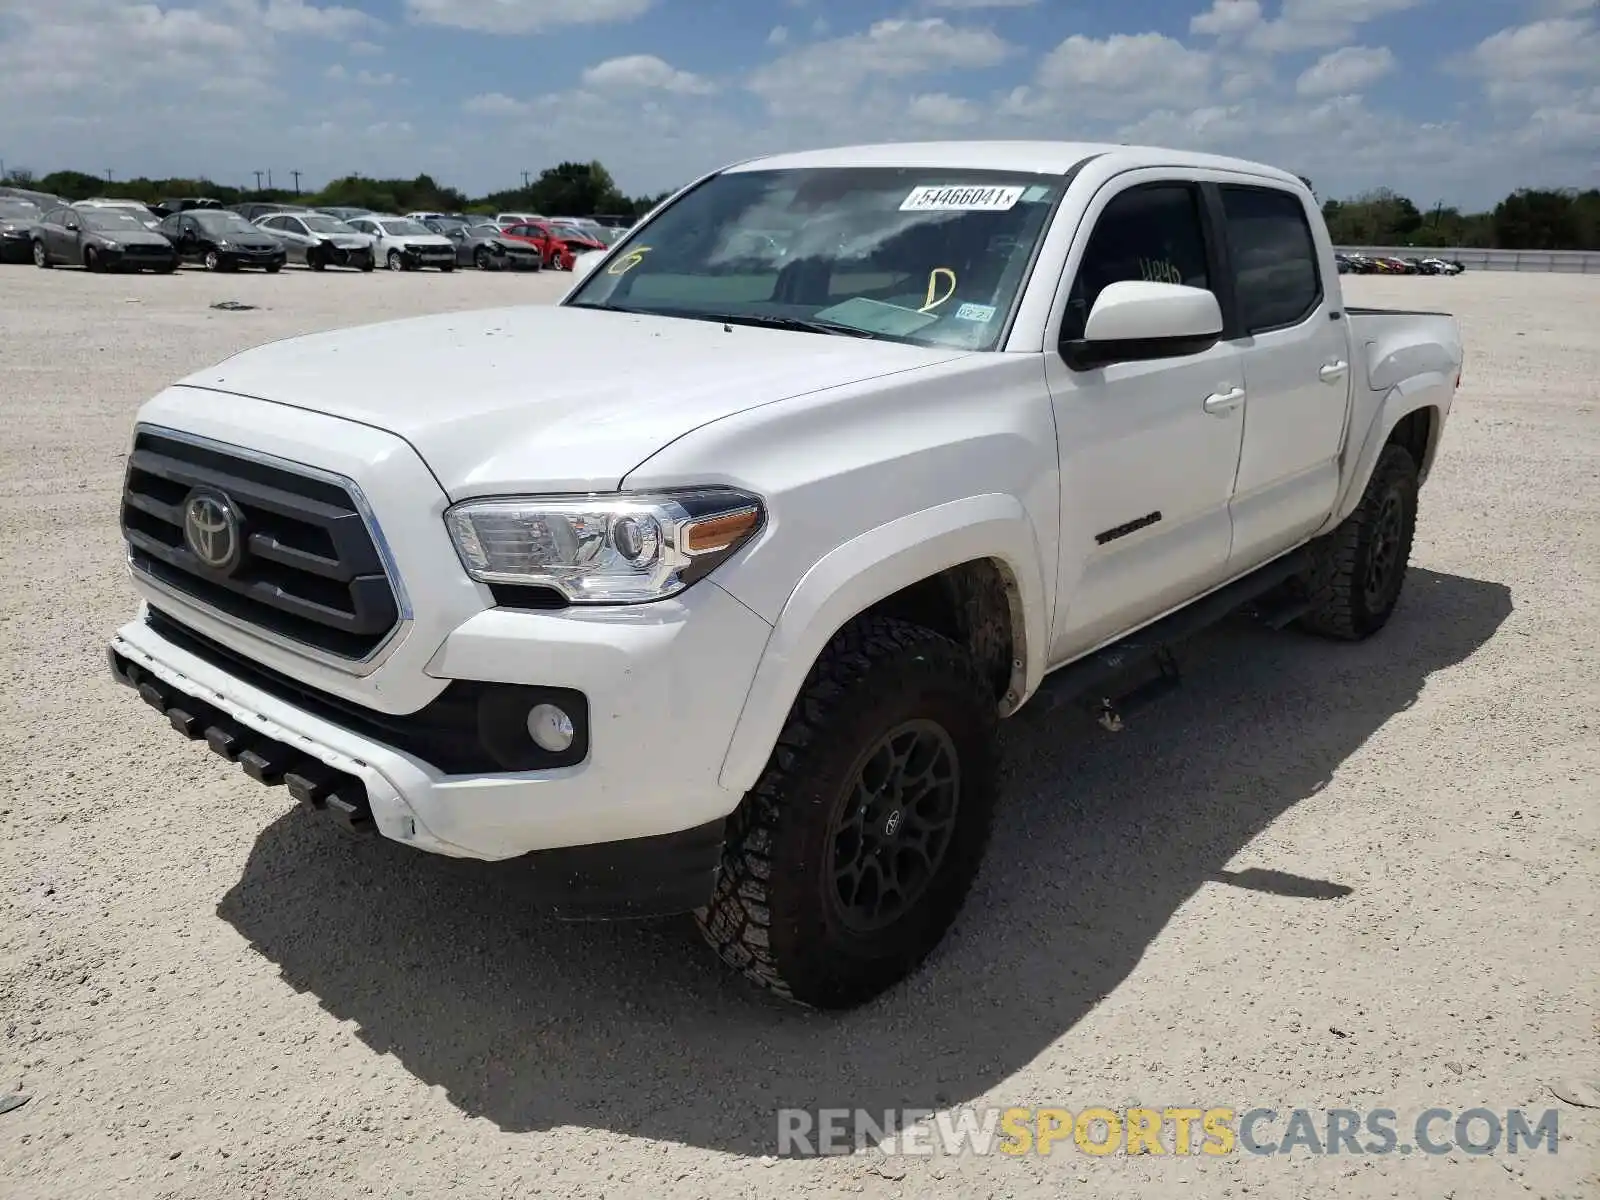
<point x="553" y="248"/>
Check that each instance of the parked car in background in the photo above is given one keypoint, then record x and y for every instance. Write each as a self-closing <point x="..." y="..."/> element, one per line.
<point x="254" y="210"/>
<point x="511" y="218"/>
<point x="176" y="204"/>
<point x="487" y="248"/>
<point x="579" y="238"/>
<point x="138" y="208"/>
<point x="402" y="244"/>
<point x="17" y="219"/>
<point x="45" y="200"/>
<point x="554" y="252"/>
<point x="320" y="241"/>
<point x="100" y="239"/>
<point x="344" y="212"/>
<point x="222" y="240"/>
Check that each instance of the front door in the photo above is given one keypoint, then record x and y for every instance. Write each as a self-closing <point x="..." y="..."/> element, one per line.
<point x="1296" y="369"/>
<point x="1148" y="449"/>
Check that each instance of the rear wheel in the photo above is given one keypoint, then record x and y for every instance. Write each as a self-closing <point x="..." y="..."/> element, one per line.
<point x="1360" y="567"/>
<point x="851" y="857"/>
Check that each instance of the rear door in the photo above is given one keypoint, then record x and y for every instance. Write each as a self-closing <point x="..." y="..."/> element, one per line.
<point x="1148" y="449"/>
<point x="1297" y="374"/>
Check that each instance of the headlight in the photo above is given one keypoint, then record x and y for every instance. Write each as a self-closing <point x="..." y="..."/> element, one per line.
<point x="113" y="244"/>
<point x="222" y="243"/>
<point x="618" y="549"/>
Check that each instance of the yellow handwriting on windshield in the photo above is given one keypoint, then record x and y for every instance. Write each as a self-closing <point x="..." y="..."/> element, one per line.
<point x="934" y="299"/>
<point x="628" y="261"/>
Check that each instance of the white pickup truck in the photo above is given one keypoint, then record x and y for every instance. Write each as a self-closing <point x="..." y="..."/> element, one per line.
<point x="852" y="454"/>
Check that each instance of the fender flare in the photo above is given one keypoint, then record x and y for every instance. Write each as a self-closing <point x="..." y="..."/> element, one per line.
<point x="1430" y="389"/>
<point x="865" y="570"/>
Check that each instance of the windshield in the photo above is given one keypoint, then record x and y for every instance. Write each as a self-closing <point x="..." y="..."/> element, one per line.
<point x="485" y="231"/>
<point x="18" y="210"/>
<point x="110" y="218"/>
<point x="403" y="227"/>
<point x="221" y="221"/>
<point x="930" y="257"/>
<point x="326" y="225"/>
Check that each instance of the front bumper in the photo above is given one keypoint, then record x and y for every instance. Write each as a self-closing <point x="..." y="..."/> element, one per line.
<point x="16" y="247"/>
<point x="254" y="258"/>
<point x="634" y="828"/>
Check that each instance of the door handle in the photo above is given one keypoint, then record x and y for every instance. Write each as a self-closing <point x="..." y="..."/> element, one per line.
<point x="1220" y="404"/>
<point x="1333" y="372"/>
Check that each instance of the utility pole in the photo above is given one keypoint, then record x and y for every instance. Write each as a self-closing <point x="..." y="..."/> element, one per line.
<point x="108" y="174"/>
<point x="525" y="181"/>
<point x="296" y="175"/>
<point x="269" y="179"/>
<point x="258" y="181"/>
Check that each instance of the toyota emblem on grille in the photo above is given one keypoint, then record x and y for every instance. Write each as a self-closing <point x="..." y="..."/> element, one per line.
<point x="211" y="530"/>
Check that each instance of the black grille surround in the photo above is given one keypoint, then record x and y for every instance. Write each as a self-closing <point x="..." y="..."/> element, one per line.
<point x="309" y="571"/>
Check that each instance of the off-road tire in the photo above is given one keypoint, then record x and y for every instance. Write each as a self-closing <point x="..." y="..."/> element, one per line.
<point x="1344" y="607"/>
<point x="774" y="915"/>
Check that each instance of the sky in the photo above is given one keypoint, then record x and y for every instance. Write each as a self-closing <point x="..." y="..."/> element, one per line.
<point x="1456" y="101"/>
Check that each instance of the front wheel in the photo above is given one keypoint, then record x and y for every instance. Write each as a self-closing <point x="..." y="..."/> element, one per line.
<point x="447" y="267"/>
<point x="316" y="261"/>
<point x="395" y="262"/>
<point x="41" y="256"/>
<point x="367" y="264"/>
<point x="1360" y="568"/>
<point x="274" y="268"/>
<point x="213" y="261"/>
<point x="92" y="261"/>
<point x="480" y="258"/>
<point x="850" y="858"/>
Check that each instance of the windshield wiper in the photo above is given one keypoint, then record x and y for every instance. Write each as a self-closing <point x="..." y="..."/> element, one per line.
<point x="763" y="320"/>
<point x="800" y="324"/>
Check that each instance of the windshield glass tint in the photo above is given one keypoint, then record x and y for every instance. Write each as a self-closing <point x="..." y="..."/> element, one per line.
<point x="405" y="228"/>
<point x="326" y="225"/>
<point x="109" y="219"/>
<point x="931" y="257"/>
<point x="222" y="222"/>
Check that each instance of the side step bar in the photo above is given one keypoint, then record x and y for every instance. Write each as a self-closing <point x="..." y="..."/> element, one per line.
<point x="1091" y="674"/>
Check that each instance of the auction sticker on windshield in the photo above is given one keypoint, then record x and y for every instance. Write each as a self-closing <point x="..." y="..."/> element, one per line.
<point x="961" y="199"/>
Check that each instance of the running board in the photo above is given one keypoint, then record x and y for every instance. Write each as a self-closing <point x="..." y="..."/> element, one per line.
<point x="1094" y="672"/>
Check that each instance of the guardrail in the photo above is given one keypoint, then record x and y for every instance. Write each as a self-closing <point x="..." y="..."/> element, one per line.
<point x="1564" y="262"/>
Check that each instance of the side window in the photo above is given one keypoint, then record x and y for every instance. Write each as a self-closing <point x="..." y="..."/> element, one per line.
<point x="1274" y="257"/>
<point x="1152" y="232"/>
<point x="293" y="225"/>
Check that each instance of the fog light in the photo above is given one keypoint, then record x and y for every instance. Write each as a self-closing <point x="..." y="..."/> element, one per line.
<point x="550" y="728"/>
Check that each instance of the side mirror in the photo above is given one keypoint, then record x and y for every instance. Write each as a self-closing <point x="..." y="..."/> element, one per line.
<point x="1134" y="321"/>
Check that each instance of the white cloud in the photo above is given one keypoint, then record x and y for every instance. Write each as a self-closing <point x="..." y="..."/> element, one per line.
<point x="523" y="16"/>
<point x="1538" y="65"/>
<point x="971" y="4"/>
<point x="941" y="108"/>
<point x="1116" y="75"/>
<point x="368" y="48"/>
<point x="297" y="17"/>
<point x="1227" y="17"/>
<point x="827" y="72"/>
<point x="645" y="72"/>
<point x="496" y="104"/>
<point x="1316" y="24"/>
<point x="1346" y="70"/>
<point x="778" y="36"/>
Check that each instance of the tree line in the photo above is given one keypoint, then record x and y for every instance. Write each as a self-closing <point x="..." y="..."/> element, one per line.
<point x="569" y="189"/>
<point x="1527" y="219"/>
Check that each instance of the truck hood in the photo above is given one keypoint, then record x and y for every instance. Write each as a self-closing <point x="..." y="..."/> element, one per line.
<point x="558" y="399"/>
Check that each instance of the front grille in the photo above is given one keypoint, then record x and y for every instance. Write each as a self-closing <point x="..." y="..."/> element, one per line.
<point x="308" y="569"/>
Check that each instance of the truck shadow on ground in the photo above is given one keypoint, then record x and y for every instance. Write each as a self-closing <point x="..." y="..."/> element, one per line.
<point x="634" y="1028"/>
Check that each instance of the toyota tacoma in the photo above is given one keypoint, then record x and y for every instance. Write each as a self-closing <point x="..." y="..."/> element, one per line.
<point x="848" y="456"/>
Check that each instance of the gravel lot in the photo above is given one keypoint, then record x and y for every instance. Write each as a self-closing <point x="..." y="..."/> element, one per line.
<point x="1319" y="876"/>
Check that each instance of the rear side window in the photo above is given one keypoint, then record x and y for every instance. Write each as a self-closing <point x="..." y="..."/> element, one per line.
<point x="1153" y="233"/>
<point x="1274" y="257"/>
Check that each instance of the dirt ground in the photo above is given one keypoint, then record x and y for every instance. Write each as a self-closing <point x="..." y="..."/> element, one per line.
<point x="1319" y="876"/>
